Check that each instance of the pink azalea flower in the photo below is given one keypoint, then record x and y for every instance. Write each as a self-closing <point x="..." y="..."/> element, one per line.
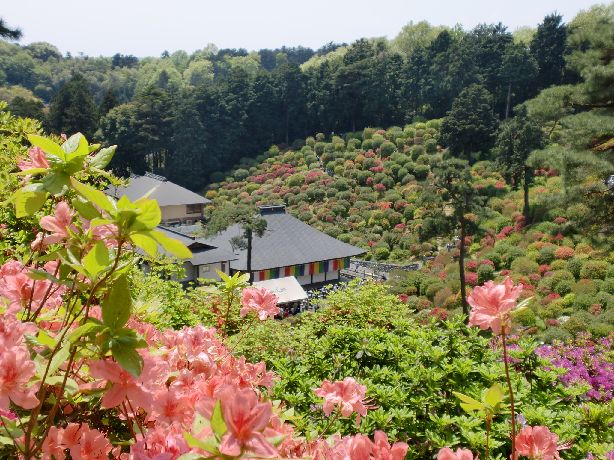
<point x="169" y="406"/>
<point x="20" y="290"/>
<point x="85" y="443"/>
<point x="382" y="450"/>
<point x="491" y="305"/>
<point x="448" y="454"/>
<point x="16" y="370"/>
<point x="347" y="394"/>
<point x="259" y="300"/>
<point x="125" y="385"/>
<point x="245" y="419"/>
<point x="53" y="446"/>
<point x="37" y="160"/>
<point x="160" y="444"/>
<point x="537" y="442"/>
<point x="357" y="447"/>
<point x="57" y="225"/>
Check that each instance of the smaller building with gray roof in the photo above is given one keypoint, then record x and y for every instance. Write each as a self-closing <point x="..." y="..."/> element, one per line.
<point x="179" y="206"/>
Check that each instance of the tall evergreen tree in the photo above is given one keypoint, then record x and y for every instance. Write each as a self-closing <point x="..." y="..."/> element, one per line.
<point x="185" y="166"/>
<point x="518" y="68"/>
<point x="517" y="138"/>
<point x="548" y="48"/>
<point x="470" y="127"/>
<point x="73" y="109"/>
<point x="453" y="179"/>
<point x="108" y="102"/>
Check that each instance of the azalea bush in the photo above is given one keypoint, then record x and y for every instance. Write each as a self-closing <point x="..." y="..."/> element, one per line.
<point x="82" y="377"/>
<point x="414" y="368"/>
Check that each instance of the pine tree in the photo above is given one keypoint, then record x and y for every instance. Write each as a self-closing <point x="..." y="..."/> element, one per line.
<point x="470" y="127"/>
<point x="517" y="138"/>
<point x="548" y="48"/>
<point x="73" y="109"/>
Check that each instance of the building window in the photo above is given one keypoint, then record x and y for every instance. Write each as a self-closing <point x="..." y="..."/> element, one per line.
<point x="223" y="264"/>
<point x="194" y="208"/>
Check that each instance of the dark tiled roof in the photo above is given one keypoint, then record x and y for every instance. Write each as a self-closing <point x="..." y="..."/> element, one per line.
<point x="164" y="192"/>
<point x="202" y="251"/>
<point x="287" y="241"/>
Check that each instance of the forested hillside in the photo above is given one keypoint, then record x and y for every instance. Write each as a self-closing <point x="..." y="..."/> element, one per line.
<point x="187" y="116"/>
<point x="530" y="197"/>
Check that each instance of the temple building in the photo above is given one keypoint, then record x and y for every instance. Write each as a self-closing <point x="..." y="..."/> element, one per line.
<point x="289" y="247"/>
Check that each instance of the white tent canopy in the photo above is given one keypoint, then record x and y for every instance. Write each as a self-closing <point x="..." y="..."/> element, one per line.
<point x="288" y="289"/>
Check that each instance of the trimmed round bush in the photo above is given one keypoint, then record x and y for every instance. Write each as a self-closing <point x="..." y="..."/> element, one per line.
<point x="387" y="148"/>
<point x="524" y="266"/>
<point x="485" y="273"/>
<point x="574" y="266"/>
<point x="546" y="254"/>
<point x="430" y="146"/>
<point x="381" y="253"/>
<point x="608" y="286"/>
<point x="594" y="269"/>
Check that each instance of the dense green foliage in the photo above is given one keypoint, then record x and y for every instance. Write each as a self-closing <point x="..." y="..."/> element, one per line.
<point x="411" y="368"/>
<point x="217" y="106"/>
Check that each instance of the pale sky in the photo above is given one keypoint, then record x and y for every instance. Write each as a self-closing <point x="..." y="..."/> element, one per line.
<point x="146" y="28"/>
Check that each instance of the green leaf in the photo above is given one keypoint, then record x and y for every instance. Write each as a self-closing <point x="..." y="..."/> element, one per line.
<point x="190" y="456"/>
<point x="83" y="330"/>
<point x="45" y="339"/>
<point x="117" y="305"/>
<point x="103" y="158"/>
<point x="47" y="145"/>
<point x="171" y="245"/>
<point x="31" y="171"/>
<point x="469" y="404"/>
<point x="150" y="215"/>
<point x="56" y="183"/>
<point x="71" y="386"/>
<point x="128" y="358"/>
<point x="145" y="241"/>
<point x="91" y="194"/>
<point x="208" y="444"/>
<point x="85" y="209"/>
<point x="217" y="420"/>
<point x="97" y="259"/>
<point x="76" y="145"/>
<point x="494" y="395"/>
<point x="28" y="202"/>
<point x="59" y="358"/>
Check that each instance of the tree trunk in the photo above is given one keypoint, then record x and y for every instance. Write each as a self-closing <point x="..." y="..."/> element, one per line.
<point x="287" y="126"/>
<point x="509" y="100"/>
<point x="461" y="266"/>
<point x="249" y="255"/>
<point x="525" y="186"/>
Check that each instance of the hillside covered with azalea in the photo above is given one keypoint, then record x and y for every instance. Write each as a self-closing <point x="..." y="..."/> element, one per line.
<point x="92" y="370"/>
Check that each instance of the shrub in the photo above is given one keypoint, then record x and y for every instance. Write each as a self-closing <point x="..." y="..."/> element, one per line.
<point x="578" y="322"/>
<point x="546" y="254"/>
<point x="608" y="286"/>
<point x="387" y="148"/>
<point x="485" y="273"/>
<point x="574" y="266"/>
<point x="430" y="146"/>
<point x="556" y="334"/>
<point x="524" y="266"/>
<point x="594" y="269"/>
<point x="381" y="253"/>
<point x="584" y="286"/>
<point x="564" y="252"/>
<point x="525" y="317"/>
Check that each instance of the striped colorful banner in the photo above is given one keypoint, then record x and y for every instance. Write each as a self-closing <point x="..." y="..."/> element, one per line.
<point x="312" y="268"/>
